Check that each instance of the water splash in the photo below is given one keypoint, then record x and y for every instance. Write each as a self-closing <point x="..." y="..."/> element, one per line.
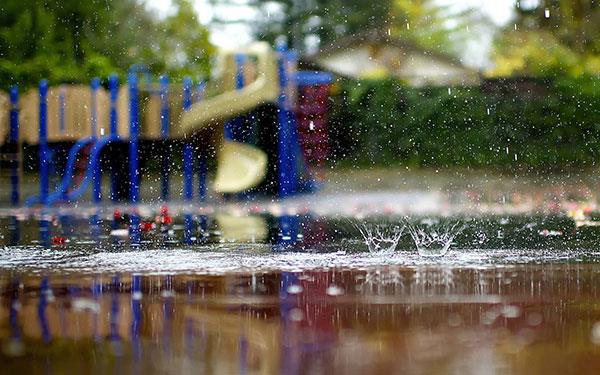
<point x="434" y="239"/>
<point x="380" y="237"/>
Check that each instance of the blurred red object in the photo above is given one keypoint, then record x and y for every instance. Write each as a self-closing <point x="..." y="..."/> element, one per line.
<point x="147" y="226"/>
<point x="59" y="240"/>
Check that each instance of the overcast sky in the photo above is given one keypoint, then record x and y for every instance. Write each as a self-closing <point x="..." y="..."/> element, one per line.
<point x="239" y="34"/>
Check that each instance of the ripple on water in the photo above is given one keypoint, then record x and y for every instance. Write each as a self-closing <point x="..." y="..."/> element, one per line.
<point x="219" y="260"/>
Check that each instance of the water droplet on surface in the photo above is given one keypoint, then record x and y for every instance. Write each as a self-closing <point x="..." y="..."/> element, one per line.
<point x="296" y="315"/>
<point x="454" y="320"/>
<point x="511" y="311"/>
<point x="83" y="304"/>
<point x="295" y="289"/>
<point x="334" y="290"/>
<point x="534" y="319"/>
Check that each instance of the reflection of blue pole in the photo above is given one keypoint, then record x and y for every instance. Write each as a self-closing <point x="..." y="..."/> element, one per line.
<point x="13" y="315"/>
<point x="168" y="314"/>
<point x="134" y="130"/>
<point x="97" y="179"/>
<point x="44" y="151"/>
<point x="44" y="230"/>
<point x="114" y="310"/>
<point x="287" y="303"/>
<point x="136" y="315"/>
<point x="14" y="228"/>
<point x="13" y="139"/>
<point x="164" y="135"/>
<point x="113" y="86"/>
<point x="96" y="293"/>
<point x="188" y="151"/>
<point x="243" y="345"/>
<point x="44" y="326"/>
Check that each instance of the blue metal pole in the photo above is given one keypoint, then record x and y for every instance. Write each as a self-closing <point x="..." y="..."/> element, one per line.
<point x="164" y="107"/>
<point x="188" y="228"/>
<point x="13" y="139"/>
<point x="202" y="172"/>
<point x="188" y="151"/>
<point x="94" y="221"/>
<point x="44" y="152"/>
<point x="97" y="173"/>
<point x="134" y="130"/>
<point x="187" y="93"/>
<point x="294" y="150"/>
<point x="164" y="134"/>
<point x="113" y="86"/>
<point x="188" y="172"/>
<point x="202" y="162"/>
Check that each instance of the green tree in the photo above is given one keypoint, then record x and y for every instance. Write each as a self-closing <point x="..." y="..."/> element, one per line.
<point x="426" y="23"/>
<point x="421" y="21"/>
<point x="554" y="37"/>
<point x="72" y="41"/>
<point x="324" y="19"/>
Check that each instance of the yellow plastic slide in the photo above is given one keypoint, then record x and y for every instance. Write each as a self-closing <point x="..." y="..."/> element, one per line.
<point x="240" y="166"/>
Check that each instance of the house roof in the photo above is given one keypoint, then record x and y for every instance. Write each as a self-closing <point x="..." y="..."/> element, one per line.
<point x="376" y="36"/>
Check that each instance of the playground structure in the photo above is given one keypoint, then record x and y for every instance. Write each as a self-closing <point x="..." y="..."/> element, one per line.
<point x="208" y="125"/>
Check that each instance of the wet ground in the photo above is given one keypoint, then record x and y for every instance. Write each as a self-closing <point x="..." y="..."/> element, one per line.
<point x="349" y="281"/>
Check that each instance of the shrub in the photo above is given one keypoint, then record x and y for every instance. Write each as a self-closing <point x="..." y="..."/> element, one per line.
<point x="518" y="123"/>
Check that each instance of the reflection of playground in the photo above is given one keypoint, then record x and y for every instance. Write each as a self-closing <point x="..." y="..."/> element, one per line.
<point x="160" y="317"/>
<point x="526" y="319"/>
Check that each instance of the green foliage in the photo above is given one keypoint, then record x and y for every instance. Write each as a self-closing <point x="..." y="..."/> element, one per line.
<point x="68" y="41"/>
<point x="555" y="37"/>
<point x="425" y="23"/>
<point x="326" y="19"/>
<point x="332" y="19"/>
<point x="386" y="123"/>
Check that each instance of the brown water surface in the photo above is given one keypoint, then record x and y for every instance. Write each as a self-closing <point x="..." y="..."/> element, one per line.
<point x="526" y="319"/>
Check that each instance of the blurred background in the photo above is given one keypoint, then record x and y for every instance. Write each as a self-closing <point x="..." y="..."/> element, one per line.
<point x="508" y="84"/>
